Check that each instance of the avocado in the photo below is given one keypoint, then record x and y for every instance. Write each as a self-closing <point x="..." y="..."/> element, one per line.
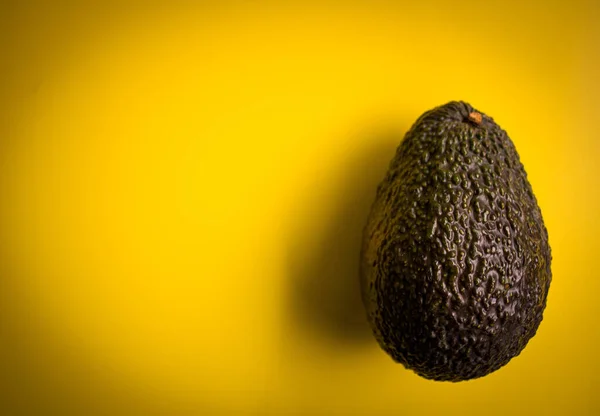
<point x="455" y="260"/>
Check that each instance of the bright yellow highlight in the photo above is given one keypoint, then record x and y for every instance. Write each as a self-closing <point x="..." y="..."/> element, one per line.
<point x="182" y="191"/>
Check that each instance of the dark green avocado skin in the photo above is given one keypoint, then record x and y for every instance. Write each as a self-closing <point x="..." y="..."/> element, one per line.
<point x="455" y="262"/>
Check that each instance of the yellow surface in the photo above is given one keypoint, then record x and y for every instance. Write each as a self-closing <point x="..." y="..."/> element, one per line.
<point x="183" y="189"/>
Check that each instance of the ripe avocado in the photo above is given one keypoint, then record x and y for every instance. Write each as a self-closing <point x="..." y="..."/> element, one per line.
<point x="455" y="261"/>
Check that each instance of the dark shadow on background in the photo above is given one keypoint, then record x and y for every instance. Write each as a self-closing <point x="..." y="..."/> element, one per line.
<point x="324" y="293"/>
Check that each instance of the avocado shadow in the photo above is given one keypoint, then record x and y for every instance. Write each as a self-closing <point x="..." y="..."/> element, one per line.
<point x="324" y="261"/>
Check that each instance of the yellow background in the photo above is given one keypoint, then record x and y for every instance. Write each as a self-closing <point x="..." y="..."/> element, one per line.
<point x="183" y="190"/>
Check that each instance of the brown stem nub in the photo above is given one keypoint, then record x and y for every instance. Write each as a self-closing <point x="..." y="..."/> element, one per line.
<point x="475" y="117"/>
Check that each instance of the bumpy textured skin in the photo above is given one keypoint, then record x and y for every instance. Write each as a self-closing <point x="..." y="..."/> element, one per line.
<point x="455" y="264"/>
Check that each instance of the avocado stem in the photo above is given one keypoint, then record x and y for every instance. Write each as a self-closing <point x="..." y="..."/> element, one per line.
<point x="475" y="117"/>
